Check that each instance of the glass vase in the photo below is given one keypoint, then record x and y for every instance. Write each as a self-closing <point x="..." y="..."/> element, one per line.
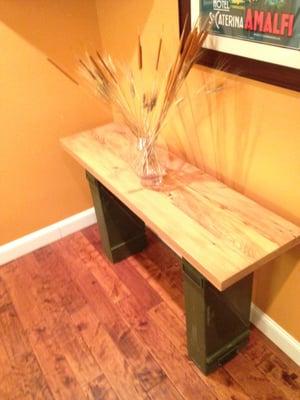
<point x="147" y="164"/>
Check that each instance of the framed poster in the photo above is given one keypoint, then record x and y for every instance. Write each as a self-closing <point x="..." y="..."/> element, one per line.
<point x="258" y="39"/>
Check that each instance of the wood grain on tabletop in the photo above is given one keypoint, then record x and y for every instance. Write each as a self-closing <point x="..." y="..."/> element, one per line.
<point x="222" y="233"/>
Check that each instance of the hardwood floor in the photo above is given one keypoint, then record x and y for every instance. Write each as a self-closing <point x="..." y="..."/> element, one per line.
<point x="73" y="326"/>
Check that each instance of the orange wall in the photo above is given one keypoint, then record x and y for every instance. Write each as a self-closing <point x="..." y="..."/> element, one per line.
<point x="247" y="134"/>
<point x="39" y="183"/>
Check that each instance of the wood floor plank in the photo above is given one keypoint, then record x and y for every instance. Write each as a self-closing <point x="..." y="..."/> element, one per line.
<point x="137" y="285"/>
<point x="114" y="365"/>
<point x="78" y="365"/>
<point x="18" y="283"/>
<point x="12" y="333"/>
<point x="24" y="380"/>
<point x="224" y="378"/>
<point x="59" y="375"/>
<point x="160" y="256"/>
<point x="258" y="336"/>
<point x="219" y="382"/>
<point x="90" y="288"/>
<point x="4" y="296"/>
<point x="100" y="389"/>
<point x="164" y="391"/>
<point x="253" y="382"/>
<point x="173" y="327"/>
<point x="145" y="265"/>
<point x="78" y="356"/>
<point x="52" y="271"/>
<point x="97" y="263"/>
<point x="171" y="321"/>
<point x="170" y="292"/>
<point x="144" y="367"/>
<point x="178" y="368"/>
<point x="277" y="370"/>
<point x="74" y="327"/>
<point x="154" y="258"/>
<point x="20" y="373"/>
<point x="72" y="346"/>
<point x="93" y="236"/>
<point x="154" y="264"/>
<point x="163" y="273"/>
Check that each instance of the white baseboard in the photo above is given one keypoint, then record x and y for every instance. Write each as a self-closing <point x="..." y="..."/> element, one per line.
<point x="49" y="234"/>
<point x="287" y="343"/>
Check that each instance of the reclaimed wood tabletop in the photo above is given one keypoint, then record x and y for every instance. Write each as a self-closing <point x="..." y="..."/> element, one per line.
<point x="221" y="232"/>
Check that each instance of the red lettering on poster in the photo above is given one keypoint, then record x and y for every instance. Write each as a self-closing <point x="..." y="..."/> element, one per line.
<point x="258" y="20"/>
<point x="248" y="20"/>
<point x="268" y="24"/>
<point x="276" y="30"/>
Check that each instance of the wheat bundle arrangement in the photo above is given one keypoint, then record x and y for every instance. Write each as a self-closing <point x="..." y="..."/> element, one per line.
<point x="145" y="111"/>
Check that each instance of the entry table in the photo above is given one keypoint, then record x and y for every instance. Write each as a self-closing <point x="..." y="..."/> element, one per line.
<point x="220" y="235"/>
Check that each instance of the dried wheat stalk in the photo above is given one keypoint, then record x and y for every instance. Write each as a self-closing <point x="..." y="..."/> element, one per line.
<point x="145" y="111"/>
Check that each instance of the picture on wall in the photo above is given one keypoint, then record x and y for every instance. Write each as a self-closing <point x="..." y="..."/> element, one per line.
<point x="261" y="38"/>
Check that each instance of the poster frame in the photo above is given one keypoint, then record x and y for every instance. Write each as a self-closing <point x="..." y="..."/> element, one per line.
<point x="272" y="73"/>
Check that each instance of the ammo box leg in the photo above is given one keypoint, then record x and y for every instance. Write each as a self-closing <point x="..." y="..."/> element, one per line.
<point x="122" y="232"/>
<point x="217" y="322"/>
